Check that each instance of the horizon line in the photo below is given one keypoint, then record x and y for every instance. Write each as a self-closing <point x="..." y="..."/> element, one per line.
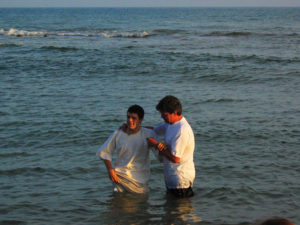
<point x="150" y="6"/>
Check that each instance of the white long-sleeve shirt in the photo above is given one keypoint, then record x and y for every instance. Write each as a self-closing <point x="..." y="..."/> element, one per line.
<point x="132" y="163"/>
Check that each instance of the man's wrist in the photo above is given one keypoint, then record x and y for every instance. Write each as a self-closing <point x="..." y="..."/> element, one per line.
<point x="111" y="170"/>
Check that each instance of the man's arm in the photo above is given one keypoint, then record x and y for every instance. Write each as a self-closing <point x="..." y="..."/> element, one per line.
<point x="111" y="172"/>
<point x="163" y="149"/>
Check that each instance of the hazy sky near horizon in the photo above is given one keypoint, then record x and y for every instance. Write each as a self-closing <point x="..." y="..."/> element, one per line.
<point x="149" y="3"/>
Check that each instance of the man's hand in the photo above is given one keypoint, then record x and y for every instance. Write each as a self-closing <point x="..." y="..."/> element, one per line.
<point x="113" y="176"/>
<point x="163" y="149"/>
<point x="111" y="172"/>
<point x="154" y="143"/>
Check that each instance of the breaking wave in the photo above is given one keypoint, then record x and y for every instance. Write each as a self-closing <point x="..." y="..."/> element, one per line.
<point x="84" y="33"/>
<point x="22" y="33"/>
<point x="143" y="34"/>
<point x="109" y="33"/>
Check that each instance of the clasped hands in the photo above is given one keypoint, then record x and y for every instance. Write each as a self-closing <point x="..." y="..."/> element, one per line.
<point x="154" y="143"/>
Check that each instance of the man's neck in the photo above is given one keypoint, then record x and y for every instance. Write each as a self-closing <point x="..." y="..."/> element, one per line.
<point x="129" y="131"/>
<point x="177" y="118"/>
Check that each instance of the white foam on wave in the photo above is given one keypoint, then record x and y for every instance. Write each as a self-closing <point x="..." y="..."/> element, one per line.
<point x="106" y="34"/>
<point x="115" y="34"/>
<point x="73" y="34"/>
<point x="22" y="33"/>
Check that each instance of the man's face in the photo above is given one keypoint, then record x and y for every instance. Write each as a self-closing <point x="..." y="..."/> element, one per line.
<point x="168" y="117"/>
<point x="133" y="121"/>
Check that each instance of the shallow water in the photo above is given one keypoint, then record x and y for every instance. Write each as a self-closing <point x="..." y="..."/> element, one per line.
<point x="69" y="75"/>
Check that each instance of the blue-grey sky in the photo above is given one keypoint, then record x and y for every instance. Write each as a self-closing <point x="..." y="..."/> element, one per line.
<point x="149" y="3"/>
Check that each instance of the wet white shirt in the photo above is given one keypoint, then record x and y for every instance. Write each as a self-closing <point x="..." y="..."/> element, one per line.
<point x="179" y="137"/>
<point x="132" y="163"/>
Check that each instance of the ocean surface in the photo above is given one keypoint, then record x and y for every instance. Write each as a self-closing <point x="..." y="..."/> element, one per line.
<point x="68" y="75"/>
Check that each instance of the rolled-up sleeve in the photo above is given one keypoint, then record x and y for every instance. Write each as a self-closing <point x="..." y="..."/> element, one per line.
<point x="106" y="151"/>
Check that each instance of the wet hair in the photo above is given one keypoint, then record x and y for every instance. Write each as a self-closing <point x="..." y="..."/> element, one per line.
<point x="277" y="221"/>
<point x="136" y="109"/>
<point x="169" y="104"/>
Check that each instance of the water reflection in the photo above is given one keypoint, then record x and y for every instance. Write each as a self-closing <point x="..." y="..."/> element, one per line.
<point x="128" y="208"/>
<point x="179" y="211"/>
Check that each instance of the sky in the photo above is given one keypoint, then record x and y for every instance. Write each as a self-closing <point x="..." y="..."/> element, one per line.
<point x="149" y="3"/>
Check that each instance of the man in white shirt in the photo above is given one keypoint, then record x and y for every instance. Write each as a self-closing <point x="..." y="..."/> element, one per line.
<point x="131" y="171"/>
<point x="178" y="149"/>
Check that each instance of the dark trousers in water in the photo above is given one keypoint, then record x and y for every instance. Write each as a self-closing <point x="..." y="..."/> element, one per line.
<point x="181" y="192"/>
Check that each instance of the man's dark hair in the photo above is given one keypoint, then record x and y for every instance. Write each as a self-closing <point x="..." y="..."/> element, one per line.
<point x="169" y="104"/>
<point x="136" y="109"/>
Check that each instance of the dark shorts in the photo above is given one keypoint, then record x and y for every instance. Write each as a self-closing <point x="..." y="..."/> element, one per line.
<point x="181" y="192"/>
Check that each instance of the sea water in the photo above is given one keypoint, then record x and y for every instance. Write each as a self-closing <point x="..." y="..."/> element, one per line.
<point x="67" y="77"/>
